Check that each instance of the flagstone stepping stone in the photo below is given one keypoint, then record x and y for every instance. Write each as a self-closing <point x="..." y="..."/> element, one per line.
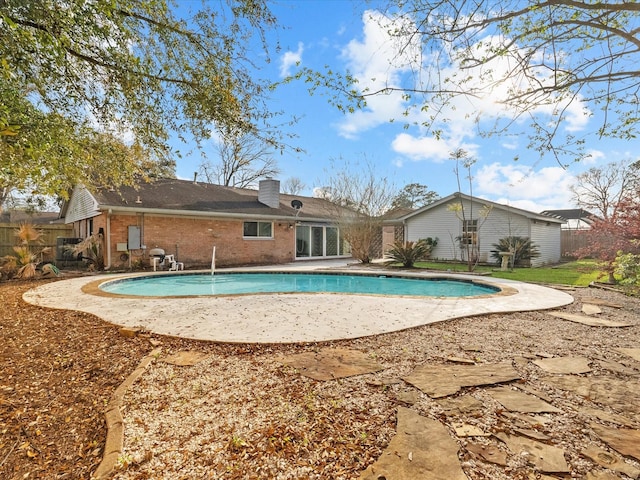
<point x="535" y="434"/>
<point x="618" y="367"/>
<point x="466" y="361"/>
<point x="631" y="352"/>
<point x="590" y="321"/>
<point x="543" y="457"/>
<point x="408" y="397"/>
<point x="460" y="405"/>
<point x="471" y="348"/>
<point x="534" y="391"/>
<point x="467" y="430"/>
<point x="185" y="358"/>
<point x="422" y="448"/>
<point x="591" y="309"/>
<point x="443" y="380"/>
<point x="332" y="363"/>
<point x="544" y="355"/>
<point x="130" y="332"/>
<point x="575" y="365"/>
<point x="602" y="476"/>
<point x="384" y="382"/>
<point x="516" y="401"/>
<point x="624" y="440"/>
<point x="520" y="419"/>
<point x="610" y="461"/>
<point x="621" y="395"/>
<point x="488" y="453"/>
<point x="607" y="417"/>
<point x="604" y="303"/>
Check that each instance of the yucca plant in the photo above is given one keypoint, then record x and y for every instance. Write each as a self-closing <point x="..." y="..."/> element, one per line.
<point x="523" y="249"/>
<point x="409" y="253"/>
<point x="8" y="266"/>
<point x="28" y="253"/>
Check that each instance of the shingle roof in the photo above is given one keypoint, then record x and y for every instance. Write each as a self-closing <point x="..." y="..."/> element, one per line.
<point x="20" y="216"/>
<point x="457" y="195"/>
<point x="571" y="214"/>
<point x="396" y="213"/>
<point x="189" y="196"/>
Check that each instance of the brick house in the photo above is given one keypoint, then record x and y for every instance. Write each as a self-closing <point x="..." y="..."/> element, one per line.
<point x="187" y="219"/>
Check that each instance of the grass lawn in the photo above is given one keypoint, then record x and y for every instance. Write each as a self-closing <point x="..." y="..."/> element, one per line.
<point x="579" y="273"/>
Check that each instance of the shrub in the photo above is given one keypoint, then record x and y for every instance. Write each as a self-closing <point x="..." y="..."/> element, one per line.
<point x="28" y="253"/>
<point x="409" y="253"/>
<point x="91" y="250"/>
<point x="432" y="242"/>
<point x="522" y="247"/>
<point x="627" y="266"/>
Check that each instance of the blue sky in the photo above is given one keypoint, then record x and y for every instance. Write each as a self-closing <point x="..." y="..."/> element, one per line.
<point x="342" y="34"/>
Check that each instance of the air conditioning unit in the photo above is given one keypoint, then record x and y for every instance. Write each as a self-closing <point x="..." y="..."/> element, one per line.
<point x="64" y="248"/>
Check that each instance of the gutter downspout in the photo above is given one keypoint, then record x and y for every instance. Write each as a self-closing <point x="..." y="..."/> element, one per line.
<point x="108" y="240"/>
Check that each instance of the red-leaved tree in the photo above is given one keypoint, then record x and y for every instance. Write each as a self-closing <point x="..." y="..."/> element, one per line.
<point x="620" y="232"/>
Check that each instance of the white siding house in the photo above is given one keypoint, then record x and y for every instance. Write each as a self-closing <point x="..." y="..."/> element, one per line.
<point x="493" y="221"/>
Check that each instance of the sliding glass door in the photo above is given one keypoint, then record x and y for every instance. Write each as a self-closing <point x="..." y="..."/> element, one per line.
<point x="319" y="241"/>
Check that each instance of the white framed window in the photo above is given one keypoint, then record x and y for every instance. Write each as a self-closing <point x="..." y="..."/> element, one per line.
<point x="257" y="230"/>
<point x="470" y="232"/>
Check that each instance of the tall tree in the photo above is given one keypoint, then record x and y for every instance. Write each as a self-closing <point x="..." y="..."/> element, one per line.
<point x="414" y="195"/>
<point x="293" y="186"/>
<point x="541" y="61"/>
<point x="469" y="240"/>
<point x="359" y="197"/>
<point x="602" y="189"/>
<point x="243" y="160"/>
<point x="43" y="154"/>
<point x="141" y="68"/>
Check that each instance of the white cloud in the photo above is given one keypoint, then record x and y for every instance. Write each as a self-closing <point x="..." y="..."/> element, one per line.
<point x="214" y="136"/>
<point x="529" y="205"/>
<point x="593" y="157"/>
<point x="510" y="145"/>
<point x="291" y="59"/>
<point x="428" y="148"/>
<point x="378" y="61"/>
<point x="536" y="190"/>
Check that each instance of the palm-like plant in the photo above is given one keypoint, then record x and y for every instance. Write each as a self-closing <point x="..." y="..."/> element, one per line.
<point x="91" y="250"/>
<point x="409" y="253"/>
<point x="28" y="253"/>
<point x="523" y="249"/>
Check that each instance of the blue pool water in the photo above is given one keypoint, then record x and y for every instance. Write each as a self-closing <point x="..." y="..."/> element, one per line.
<point x="248" y="283"/>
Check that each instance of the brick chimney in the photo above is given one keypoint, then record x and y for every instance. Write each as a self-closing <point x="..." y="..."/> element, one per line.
<point x="269" y="192"/>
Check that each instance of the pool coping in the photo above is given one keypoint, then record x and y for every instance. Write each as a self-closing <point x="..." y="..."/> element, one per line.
<point x="94" y="288"/>
<point x="291" y="317"/>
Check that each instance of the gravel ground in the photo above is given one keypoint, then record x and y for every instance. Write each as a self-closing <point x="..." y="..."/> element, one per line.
<point x="240" y="413"/>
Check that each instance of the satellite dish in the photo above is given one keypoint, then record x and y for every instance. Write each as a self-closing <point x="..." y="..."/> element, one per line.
<point x="297" y="204"/>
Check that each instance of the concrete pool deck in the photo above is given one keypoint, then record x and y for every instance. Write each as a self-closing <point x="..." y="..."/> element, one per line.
<point x="288" y="318"/>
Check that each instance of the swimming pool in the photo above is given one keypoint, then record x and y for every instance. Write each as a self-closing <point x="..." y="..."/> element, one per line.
<point x="182" y="285"/>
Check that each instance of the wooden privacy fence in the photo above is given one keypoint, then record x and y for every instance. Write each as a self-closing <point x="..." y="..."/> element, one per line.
<point x="54" y="236"/>
<point x="571" y="241"/>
